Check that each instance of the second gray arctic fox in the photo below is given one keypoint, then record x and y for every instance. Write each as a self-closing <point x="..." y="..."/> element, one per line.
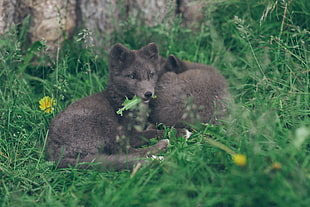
<point x="89" y="130"/>
<point x="188" y="93"/>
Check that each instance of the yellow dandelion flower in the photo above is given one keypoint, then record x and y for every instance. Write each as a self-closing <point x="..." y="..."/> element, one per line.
<point x="239" y="159"/>
<point x="46" y="104"/>
<point x="276" y="166"/>
<point x="273" y="167"/>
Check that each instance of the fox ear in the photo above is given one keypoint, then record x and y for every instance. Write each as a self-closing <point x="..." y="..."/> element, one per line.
<point x="151" y="50"/>
<point x="174" y="64"/>
<point x="119" y="56"/>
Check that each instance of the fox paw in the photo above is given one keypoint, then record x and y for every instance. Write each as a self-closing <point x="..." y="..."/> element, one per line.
<point x="158" y="158"/>
<point x="162" y="144"/>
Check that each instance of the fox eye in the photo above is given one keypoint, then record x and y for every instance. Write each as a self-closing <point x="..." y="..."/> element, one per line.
<point x="131" y="75"/>
<point x="151" y="75"/>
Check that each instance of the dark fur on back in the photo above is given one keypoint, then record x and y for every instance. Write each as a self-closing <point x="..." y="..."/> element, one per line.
<point x="89" y="130"/>
<point x="188" y="93"/>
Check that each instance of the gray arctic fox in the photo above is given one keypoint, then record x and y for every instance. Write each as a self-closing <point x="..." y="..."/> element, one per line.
<point x="188" y="93"/>
<point x="90" y="130"/>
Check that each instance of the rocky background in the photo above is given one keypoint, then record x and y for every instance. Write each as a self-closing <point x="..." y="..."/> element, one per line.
<point x="56" y="20"/>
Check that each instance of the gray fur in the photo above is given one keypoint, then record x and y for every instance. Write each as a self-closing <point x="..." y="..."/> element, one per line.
<point x="89" y="130"/>
<point x="188" y="93"/>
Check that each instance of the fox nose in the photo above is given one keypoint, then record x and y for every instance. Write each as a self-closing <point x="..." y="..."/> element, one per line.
<point x="148" y="94"/>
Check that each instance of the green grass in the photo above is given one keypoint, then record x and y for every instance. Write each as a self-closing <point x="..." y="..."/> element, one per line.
<point x="261" y="47"/>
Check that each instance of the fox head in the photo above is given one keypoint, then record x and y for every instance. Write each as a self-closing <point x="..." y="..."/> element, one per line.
<point x="174" y="64"/>
<point x="134" y="72"/>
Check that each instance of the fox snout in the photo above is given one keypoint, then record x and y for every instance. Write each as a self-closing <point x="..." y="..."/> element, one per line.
<point x="148" y="94"/>
<point x="145" y="91"/>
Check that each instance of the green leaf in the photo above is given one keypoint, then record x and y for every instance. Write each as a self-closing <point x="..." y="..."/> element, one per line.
<point x="129" y="104"/>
